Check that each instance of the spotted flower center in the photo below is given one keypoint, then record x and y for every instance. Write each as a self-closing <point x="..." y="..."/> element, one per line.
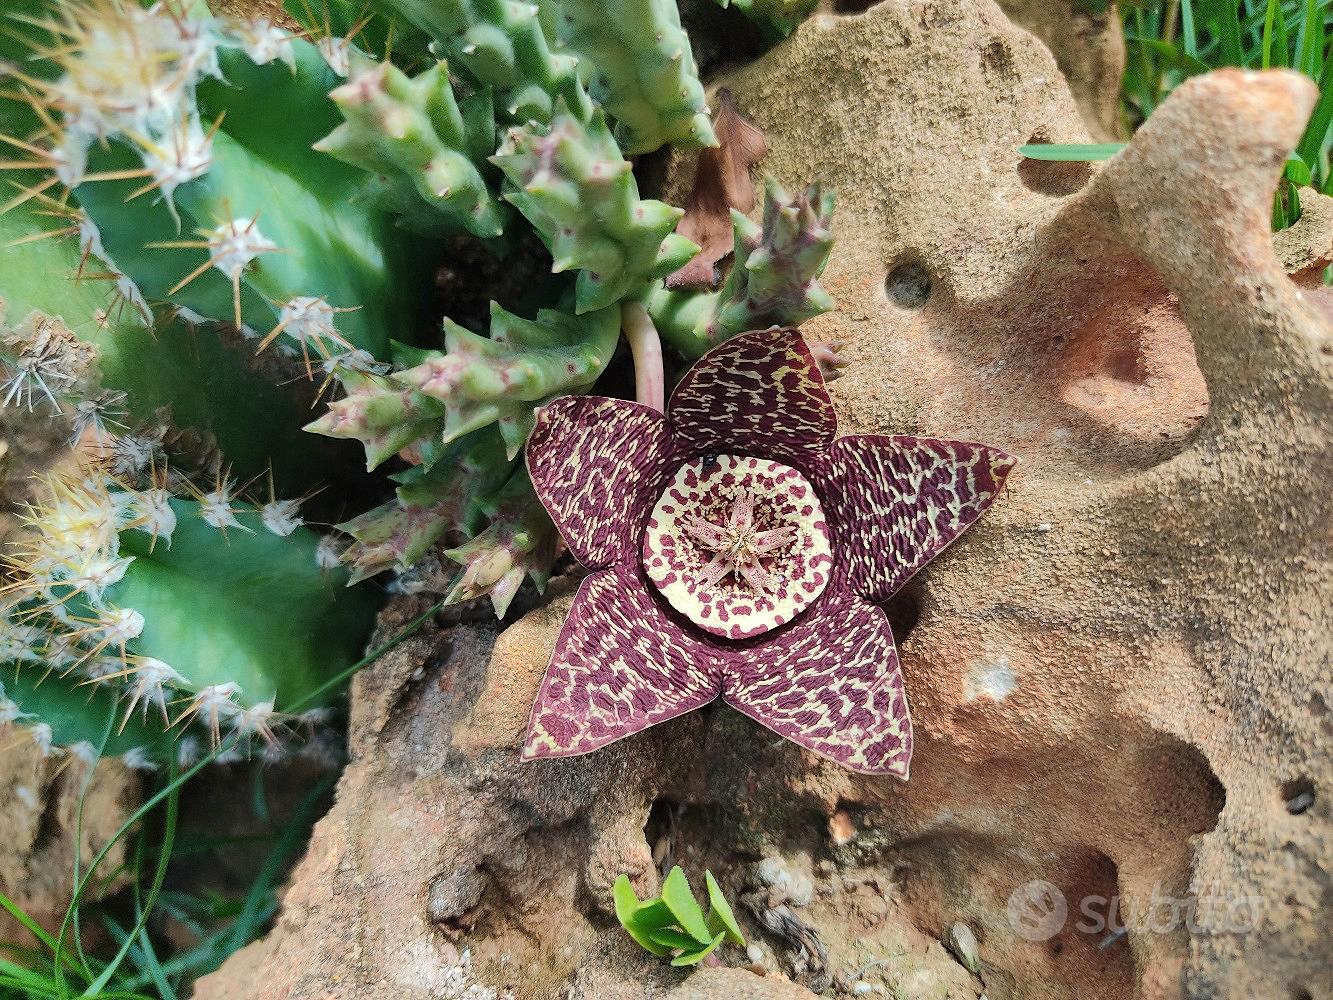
<point x="738" y="545"/>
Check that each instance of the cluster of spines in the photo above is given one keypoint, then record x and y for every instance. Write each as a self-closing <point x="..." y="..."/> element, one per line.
<point x="774" y="277"/>
<point x="119" y="600"/>
<point x="189" y="188"/>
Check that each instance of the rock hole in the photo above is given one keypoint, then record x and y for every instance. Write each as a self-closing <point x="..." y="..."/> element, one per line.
<point x="908" y="285"/>
<point x="997" y="58"/>
<point x="1050" y="177"/>
<point x="661" y="831"/>
<point x="853" y="6"/>
<point x="1301" y="993"/>
<point x="1298" y="795"/>
<point x="903" y="610"/>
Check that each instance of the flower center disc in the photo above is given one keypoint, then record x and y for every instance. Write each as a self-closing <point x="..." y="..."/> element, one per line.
<point x="738" y="545"/>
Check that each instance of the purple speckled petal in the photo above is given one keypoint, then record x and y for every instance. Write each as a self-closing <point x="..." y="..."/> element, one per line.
<point x="897" y="502"/>
<point x="596" y="464"/>
<point x="831" y="684"/>
<point x="620" y="665"/>
<point x="757" y="394"/>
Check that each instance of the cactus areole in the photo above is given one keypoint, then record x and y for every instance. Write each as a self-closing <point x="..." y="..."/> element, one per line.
<point x="740" y="549"/>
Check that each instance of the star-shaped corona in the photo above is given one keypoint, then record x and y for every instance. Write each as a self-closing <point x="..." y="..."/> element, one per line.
<point x="740" y="549"/>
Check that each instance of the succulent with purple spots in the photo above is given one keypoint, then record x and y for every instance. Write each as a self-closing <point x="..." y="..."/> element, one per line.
<point x="739" y="549"/>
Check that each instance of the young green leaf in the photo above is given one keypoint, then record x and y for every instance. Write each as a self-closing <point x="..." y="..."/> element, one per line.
<point x="627" y="908"/>
<point x="678" y="897"/>
<point x="720" y="918"/>
<point x="669" y="937"/>
<point x="695" y="957"/>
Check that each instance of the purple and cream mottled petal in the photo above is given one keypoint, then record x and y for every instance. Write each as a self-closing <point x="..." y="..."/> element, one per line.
<point x="596" y="464"/>
<point x="620" y="665"/>
<point x="830" y="684"/>
<point x="761" y="394"/>
<point x="897" y="502"/>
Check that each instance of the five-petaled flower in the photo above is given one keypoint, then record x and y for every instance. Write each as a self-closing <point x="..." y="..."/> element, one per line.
<point x="739" y="549"/>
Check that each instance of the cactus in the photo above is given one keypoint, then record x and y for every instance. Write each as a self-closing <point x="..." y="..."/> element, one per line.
<point x="637" y="63"/>
<point x="773" y="279"/>
<point x="421" y="145"/>
<point x="199" y="183"/>
<point x="779" y="16"/>
<point x="577" y="189"/>
<point x="111" y="586"/>
<point x="502" y="45"/>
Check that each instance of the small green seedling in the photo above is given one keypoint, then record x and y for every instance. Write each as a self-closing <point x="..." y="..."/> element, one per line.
<point x="674" y="923"/>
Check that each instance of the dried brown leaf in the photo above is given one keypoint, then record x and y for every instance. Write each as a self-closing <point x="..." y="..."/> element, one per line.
<point x="721" y="182"/>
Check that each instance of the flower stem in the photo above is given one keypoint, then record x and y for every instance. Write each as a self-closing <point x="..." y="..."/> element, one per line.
<point x="646" y="347"/>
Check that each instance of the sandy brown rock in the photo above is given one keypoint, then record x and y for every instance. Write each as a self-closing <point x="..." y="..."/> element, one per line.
<point x="1089" y="48"/>
<point x="1119" y="678"/>
<point x="38" y="824"/>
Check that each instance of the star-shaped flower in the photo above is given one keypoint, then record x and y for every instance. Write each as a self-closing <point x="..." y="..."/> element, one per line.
<point x="739" y="549"/>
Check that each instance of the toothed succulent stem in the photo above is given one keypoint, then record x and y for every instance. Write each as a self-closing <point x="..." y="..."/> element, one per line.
<point x="573" y="184"/>
<point x="519" y="542"/>
<point x="773" y="279"/>
<point x="423" y="148"/>
<point x="500" y="44"/>
<point x="636" y="61"/>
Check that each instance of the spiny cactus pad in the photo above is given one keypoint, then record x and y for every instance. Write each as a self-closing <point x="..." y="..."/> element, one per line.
<point x="828" y="680"/>
<point x="200" y="187"/>
<point x="211" y="610"/>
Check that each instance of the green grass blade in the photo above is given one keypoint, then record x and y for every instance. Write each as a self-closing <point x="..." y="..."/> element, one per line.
<point x="1188" y="36"/>
<point x="247" y="924"/>
<point x="1312" y="143"/>
<point x="1266" y="60"/>
<point x="1066" y="152"/>
<point x="1226" y="22"/>
<point x="32" y="926"/>
<point x="159" y="874"/>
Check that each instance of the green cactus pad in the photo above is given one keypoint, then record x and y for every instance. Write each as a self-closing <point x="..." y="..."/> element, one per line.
<point x="213" y="609"/>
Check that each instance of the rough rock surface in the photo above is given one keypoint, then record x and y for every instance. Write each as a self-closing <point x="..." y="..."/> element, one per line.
<point x="1119" y="679"/>
<point x="1089" y="48"/>
<point x="39" y="821"/>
